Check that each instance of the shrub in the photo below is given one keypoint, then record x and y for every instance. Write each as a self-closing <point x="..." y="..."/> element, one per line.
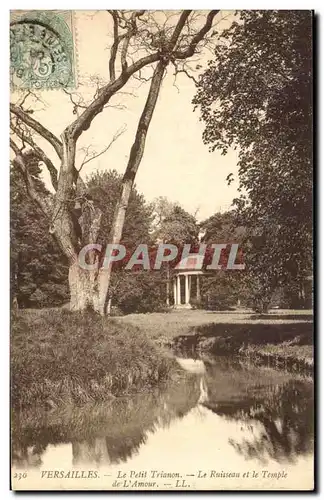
<point x="140" y="292"/>
<point x="196" y="303"/>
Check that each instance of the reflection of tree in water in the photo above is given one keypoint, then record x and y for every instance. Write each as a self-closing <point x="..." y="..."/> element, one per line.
<point x="109" y="449"/>
<point x="104" y="434"/>
<point x="274" y="406"/>
<point x="26" y="450"/>
<point x="28" y="456"/>
<point x="286" y="416"/>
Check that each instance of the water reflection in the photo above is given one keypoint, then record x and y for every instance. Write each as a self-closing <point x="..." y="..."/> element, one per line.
<point x="104" y="433"/>
<point x="273" y="411"/>
<point x="284" y="408"/>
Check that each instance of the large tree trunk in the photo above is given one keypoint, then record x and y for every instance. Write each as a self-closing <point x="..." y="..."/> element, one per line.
<point x="90" y="289"/>
<point x="83" y="289"/>
<point x="74" y="233"/>
<point x="58" y="209"/>
<point x="134" y="161"/>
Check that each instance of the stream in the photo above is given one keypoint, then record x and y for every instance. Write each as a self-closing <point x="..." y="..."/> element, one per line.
<point x="224" y="419"/>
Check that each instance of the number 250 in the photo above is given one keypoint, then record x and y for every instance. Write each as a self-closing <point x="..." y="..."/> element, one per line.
<point x="20" y="475"/>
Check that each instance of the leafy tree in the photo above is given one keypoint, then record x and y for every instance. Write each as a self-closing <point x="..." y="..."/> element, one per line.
<point x="141" y="41"/>
<point x="222" y="228"/>
<point x="162" y="207"/>
<point x="104" y="188"/>
<point x="134" y="290"/>
<point x="223" y="290"/>
<point x="38" y="269"/>
<point x="139" y="291"/>
<point x="179" y="227"/>
<point x="172" y="224"/>
<point x="256" y="96"/>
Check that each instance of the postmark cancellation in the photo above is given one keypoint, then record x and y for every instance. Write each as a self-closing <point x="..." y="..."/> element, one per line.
<point x="42" y="50"/>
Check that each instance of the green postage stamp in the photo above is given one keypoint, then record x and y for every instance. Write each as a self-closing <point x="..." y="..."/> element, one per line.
<point x="42" y="52"/>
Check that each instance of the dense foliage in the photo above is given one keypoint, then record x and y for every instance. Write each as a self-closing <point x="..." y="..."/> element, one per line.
<point x="226" y="288"/>
<point x="256" y="95"/>
<point x="104" y="188"/>
<point x="38" y="268"/>
<point x="177" y="227"/>
<point x="130" y="291"/>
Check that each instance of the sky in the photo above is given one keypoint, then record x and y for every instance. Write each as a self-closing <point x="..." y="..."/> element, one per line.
<point x="176" y="164"/>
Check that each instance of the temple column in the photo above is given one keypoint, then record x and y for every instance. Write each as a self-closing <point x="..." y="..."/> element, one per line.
<point x="168" y="286"/>
<point x="187" y="298"/>
<point x="175" y="291"/>
<point x="198" y="288"/>
<point x="178" y="290"/>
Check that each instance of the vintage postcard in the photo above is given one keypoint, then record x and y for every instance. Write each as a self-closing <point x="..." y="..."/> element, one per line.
<point x="161" y="193"/>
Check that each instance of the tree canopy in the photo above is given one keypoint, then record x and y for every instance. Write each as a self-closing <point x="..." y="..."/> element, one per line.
<point x="38" y="268"/>
<point x="256" y="96"/>
<point x="104" y="189"/>
<point x="177" y="226"/>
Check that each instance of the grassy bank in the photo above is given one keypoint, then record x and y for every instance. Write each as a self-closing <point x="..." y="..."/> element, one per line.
<point x="167" y="326"/>
<point x="288" y="345"/>
<point x="59" y="357"/>
<point x="111" y="431"/>
<point x="289" y="355"/>
<point x="282" y="338"/>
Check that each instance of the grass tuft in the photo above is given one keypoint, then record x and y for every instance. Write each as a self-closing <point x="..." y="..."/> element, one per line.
<point x="60" y="357"/>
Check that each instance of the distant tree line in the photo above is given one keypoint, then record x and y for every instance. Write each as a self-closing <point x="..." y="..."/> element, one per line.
<point x="39" y="268"/>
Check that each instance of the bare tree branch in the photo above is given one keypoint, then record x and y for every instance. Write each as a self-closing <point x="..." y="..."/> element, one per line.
<point x="95" y="155"/>
<point x="123" y="55"/>
<point x="142" y="78"/>
<point x="39" y="152"/>
<point x="105" y="93"/>
<point x="83" y="122"/>
<point x="76" y="105"/>
<point x="132" y="30"/>
<point x="180" y="24"/>
<point x="24" y="98"/>
<point x="14" y="147"/>
<point x="182" y="70"/>
<point x="20" y="162"/>
<point x="114" y="47"/>
<point x="38" y="127"/>
<point x="175" y="83"/>
<point x="189" y="52"/>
